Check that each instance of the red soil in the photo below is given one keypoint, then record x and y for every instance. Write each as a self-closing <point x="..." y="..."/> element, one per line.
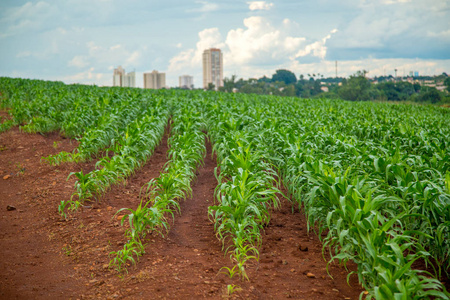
<point x="45" y="257"/>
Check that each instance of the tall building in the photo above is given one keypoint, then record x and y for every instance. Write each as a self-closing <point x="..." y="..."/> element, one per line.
<point x="212" y="68"/>
<point x="186" y="82"/>
<point x="118" y="75"/>
<point x="154" y="80"/>
<point x="129" y="80"/>
<point x="120" y="78"/>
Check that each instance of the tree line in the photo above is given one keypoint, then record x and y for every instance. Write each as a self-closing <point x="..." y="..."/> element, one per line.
<point x="355" y="88"/>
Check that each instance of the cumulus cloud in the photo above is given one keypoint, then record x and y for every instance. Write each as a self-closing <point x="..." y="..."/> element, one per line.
<point x="191" y="58"/>
<point x="259" y="5"/>
<point x="260" y="47"/>
<point x="253" y="48"/>
<point x="317" y="48"/>
<point x="258" y="39"/>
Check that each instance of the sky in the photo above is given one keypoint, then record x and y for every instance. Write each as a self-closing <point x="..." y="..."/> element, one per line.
<point x="82" y="41"/>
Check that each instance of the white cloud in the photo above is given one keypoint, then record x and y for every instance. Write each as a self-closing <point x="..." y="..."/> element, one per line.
<point x="28" y="17"/>
<point x="88" y="76"/>
<point x="389" y="2"/>
<point x="256" y="47"/>
<point x="317" y="48"/>
<point x="259" y="5"/>
<point x="205" y="7"/>
<point x="441" y="34"/>
<point x="396" y="28"/>
<point x="260" y="42"/>
<point x="260" y="47"/>
<point x="133" y="58"/>
<point x="259" y="37"/>
<point x="375" y="67"/>
<point x="78" y="62"/>
<point x="24" y="54"/>
<point x="26" y="11"/>
<point x="115" y="47"/>
<point x="114" y="55"/>
<point x="191" y="58"/>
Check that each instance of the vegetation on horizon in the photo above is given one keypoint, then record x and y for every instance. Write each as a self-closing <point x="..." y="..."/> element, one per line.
<point x="355" y="88"/>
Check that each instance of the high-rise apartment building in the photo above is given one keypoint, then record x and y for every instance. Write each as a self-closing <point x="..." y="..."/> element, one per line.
<point x="186" y="82"/>
<point x="129" y="80"/>
<point x="212" y="68"/>
<point x="154" y="80"/>
<point x="118" y="76"/>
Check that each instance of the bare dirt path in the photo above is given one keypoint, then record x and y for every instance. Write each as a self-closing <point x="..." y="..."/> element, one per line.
<point x="44" y="257"/>
<point x="31" y="265"/>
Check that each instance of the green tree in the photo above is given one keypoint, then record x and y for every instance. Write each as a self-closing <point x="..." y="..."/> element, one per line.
<point x="285" y="76"/>
<point x="264" y="79"/>
<point x="356" y="88"/>
<point x="229" y="84"/>
<point x="429" y="95"/>
<point x="416" y="87"/>
<point x="399" y="91"/>
<point x="447" y="83"/>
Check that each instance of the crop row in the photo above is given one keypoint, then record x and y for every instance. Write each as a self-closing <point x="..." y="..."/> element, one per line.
<point x="129" y="152"/>
<point x="162" y="195"/>
<point x="246" y="188"/>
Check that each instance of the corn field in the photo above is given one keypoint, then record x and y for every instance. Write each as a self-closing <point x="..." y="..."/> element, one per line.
<point x="373" y="179"/>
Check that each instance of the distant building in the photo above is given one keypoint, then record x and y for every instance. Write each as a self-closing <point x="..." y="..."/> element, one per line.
<point x="212" y="68"/>
<point x="118" y="75"/>
<point x="186" y="82"/>
<point x="416" y="73"/>
<point x="120" y="78"/>
<point x="441" y="88"/>
<point x="154" y="80"/>
<point x="430" y="83"/>
<point x="129" y="80"/>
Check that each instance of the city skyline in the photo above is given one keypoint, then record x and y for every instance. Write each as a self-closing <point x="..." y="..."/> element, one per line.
<point x="83" y="41"/>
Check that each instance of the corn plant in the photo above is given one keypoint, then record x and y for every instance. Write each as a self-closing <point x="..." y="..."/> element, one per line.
<point x="245" y="192"/>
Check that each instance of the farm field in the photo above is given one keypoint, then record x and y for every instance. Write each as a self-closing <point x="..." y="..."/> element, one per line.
<point x="131" y="194"/>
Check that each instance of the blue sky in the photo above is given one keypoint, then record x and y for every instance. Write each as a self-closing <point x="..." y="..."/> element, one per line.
<point x="81" y="41"/>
